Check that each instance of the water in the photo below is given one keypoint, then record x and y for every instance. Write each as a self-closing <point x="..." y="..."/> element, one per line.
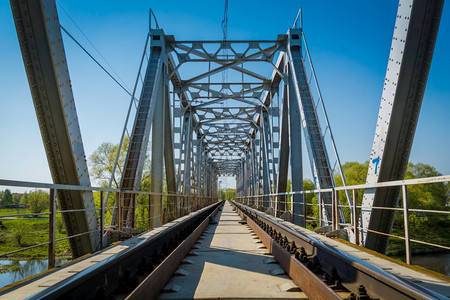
<point x="27" y="268"/>
<point x="438" y="262"/>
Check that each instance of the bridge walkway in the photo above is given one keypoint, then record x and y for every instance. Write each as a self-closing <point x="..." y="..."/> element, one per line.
<point x="230" y="261"/>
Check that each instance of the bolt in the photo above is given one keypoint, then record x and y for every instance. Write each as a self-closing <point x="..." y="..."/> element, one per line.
<point x="352" y="296"/>
<point x="100" y="293"/>
<point x="362" y="293"/>
<point x="316" y="265"/>
<point x="335" y="276"/>
<point x="326" y="278"/>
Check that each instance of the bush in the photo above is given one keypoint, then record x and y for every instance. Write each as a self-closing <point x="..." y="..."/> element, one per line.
<point x="60" y="225"/>
<point x="18" y="231"/>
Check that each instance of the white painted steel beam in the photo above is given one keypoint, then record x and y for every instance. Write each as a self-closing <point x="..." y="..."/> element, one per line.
<point x="415" y="33"/>
<point x="39" y="34"/>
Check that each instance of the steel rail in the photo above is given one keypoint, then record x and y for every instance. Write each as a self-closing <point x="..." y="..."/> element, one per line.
<point x="352" y="271"/>
<point x="150" y="287"/>
<point x="119" y="275"/>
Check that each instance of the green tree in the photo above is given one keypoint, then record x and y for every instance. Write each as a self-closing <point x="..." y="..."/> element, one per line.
<point x="101" y="164"/>
<point x="16" y="198"/>
<point x="426" y="196"/>
<point x="7" y="198"/>
<point x="37" y="201"/>
<point x="18" y="231"/>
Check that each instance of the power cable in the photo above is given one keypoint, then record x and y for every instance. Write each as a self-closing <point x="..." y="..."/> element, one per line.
<point x="96" y="61"/>
<point x="89" y="41"/>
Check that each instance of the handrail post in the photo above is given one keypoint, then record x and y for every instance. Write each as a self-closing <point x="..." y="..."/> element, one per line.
<point x="102" y="219"/>
<point x="149" y="214"/>
<point x="320" y="210"/>
<point x="333" y="213"/>
<point x="406" y="220"/>
<point x="355" y="216"/>
<point x="336" y="210"/>
<point x="51" y="230"/>
<point x="304" y="210"/>
<point x="120" y="211"/>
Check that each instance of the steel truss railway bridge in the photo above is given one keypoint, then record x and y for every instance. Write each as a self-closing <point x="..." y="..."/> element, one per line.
<point x="206" y="109"/>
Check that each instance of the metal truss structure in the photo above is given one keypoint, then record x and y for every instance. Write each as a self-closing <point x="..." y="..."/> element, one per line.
<point x="225" y="99"/>
<point x="225" y="108"/>
<point x="412" y="49"/>
<point x="39" y="34"/>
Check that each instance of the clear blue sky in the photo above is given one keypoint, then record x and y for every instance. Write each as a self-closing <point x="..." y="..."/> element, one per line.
<point x="349" y="43"/>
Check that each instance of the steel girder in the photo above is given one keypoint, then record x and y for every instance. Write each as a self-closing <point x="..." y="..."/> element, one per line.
<point x="227" y="126"/>
<point x="152" y="89"/>
<point x="284" y="152"/>
<point x="39" y="34"/>
<point x="410" y="57"/>
<point x="295" y="141"/>
<point x="153" y="115"/>
<point x="225" y="130"/>
<point x="315" y="144"/>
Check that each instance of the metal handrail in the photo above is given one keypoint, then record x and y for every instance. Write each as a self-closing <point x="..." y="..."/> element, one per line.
<point x="52" y="213"/>
<point x="354" y="208"/>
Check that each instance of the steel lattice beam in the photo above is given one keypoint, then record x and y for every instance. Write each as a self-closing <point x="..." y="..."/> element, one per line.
<point x="410" y="57"/>
<point x="39" y="34"/>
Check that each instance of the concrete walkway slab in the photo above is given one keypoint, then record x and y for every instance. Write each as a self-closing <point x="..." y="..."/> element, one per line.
<point x="231" y="264"/>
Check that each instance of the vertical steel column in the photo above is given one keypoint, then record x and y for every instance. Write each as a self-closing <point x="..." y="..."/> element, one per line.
<point x="39" y="34"/>
<point x="255" y="170"/>
<point x="157" y="169"/>
<point x="410" y="57"/>
<point x="265" y="167"/>
<point x="284" y="150"/>
<point x="295" y="130"/>
<point x="187" y="135"/>
<point x="169" y="159"/>
<point x="198" y="172"/>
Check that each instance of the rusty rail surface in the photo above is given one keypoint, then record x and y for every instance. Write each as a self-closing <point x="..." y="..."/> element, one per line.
<point x="126" y="275"/>
<point x="303" y="258"/>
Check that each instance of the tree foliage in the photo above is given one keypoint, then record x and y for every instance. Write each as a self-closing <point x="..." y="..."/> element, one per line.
<point x="101" y="165"/>
<point x="227" y="194"/>
<point x="37" y="201"/>
<point x="18" y="231"/>
<point x="426" y="196"/>
<point x="6" y="197"/>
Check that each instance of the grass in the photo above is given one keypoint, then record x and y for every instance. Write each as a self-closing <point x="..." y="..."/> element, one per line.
<point x="13" y="211"/>
<point x="37" y="233"/>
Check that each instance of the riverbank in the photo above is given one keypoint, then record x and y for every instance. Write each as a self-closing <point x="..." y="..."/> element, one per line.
<point x="17" y="234"/>
<point x="24" y="268"/>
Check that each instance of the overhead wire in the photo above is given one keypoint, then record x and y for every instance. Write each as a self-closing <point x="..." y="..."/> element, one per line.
<point x="89" y="41"/>
<point x="95" y="60"/>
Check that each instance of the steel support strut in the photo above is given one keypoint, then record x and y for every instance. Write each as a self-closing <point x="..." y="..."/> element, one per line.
<point x="320" y="165"/>
<point x="39" y="34"/>
<point x="137" y="149"/>
<point x="410" y="57"/>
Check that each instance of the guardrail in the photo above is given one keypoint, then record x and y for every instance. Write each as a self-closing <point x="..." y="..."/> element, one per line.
<point x="170" y="210"/>
<point x="282" y="200"/>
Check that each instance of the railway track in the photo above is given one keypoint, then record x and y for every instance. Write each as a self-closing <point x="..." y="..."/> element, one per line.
<point x="325" y="273"/>
<point x="143" y="265"/>
<point x="135" y="263"/>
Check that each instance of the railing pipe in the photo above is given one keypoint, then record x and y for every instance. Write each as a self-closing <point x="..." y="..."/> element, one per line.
<point x="51" y="230"/>
<point x="406" y="220"/>
<point x="355" y="216"/>
<point x="102" y="219"/>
